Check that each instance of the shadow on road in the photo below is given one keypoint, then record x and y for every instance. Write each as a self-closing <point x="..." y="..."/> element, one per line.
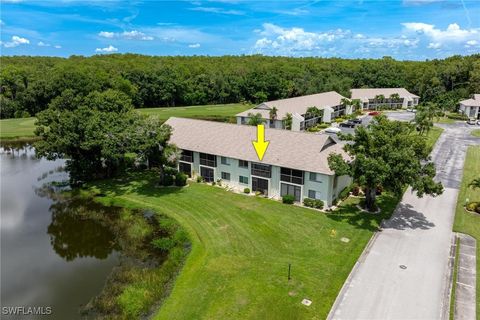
<point x="407" y="218"/>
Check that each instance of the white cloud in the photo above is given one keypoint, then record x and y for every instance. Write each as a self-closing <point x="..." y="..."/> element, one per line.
<point x="106" y="34"/>
<point x="16" y="41"/>
<point x="43" y="44"/>
<point x="57" y="46"/>
<point x="293" y="12"/>
<point x="2" y="23"/>
<point x="108" y="49"/>
<point x="453" y="33"/>
<point x="218" y="10"/>
<point x="126" y="35"/>
<point x="194" y="45"/>
<point x="434" y="45"/>
<point x="471" y="43"/>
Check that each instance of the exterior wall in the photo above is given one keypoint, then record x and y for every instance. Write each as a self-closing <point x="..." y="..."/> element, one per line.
<point x="324" y="185"/>
<point x="470" y="111"/>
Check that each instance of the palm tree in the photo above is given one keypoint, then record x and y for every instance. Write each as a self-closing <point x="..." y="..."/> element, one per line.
<point x="313" y="112"/>
<point x="255" y="119"/>
<point x="273" y="113"/>
<point x="356" y="104"/>
<point x="475" y="184"/>
<point x="394" y="97"/>
<point x="287" y="120"/>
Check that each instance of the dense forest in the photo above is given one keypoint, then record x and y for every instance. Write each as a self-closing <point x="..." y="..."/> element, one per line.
<point x="28" y="84"/>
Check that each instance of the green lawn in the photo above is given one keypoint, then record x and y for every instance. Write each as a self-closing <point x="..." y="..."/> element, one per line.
<point x="17" y="128"/>
<point x="24" y="127"/>
<point x="444" y="120"/>
<point x="242" y="245"/>
<point x="205" y="112"/>
<point x="476" y="133"/>
<point x="433" y="136"/>
<point x="467" y="222"/>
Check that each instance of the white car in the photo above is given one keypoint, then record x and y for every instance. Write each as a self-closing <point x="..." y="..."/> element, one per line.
<point x="333" y="130"/>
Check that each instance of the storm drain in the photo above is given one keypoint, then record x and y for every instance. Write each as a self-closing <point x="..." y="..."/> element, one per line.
<point x="402" y="266"/>
<point x="306" y="302"/>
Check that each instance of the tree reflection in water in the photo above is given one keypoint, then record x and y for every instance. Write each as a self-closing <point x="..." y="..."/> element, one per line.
<point x="79" y="227"/>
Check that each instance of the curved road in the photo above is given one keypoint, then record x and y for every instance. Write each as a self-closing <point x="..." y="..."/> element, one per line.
<point x="405" y="272"/>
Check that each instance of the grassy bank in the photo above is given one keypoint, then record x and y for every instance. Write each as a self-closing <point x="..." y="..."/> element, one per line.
<point x="476" y="133"/>
<point x="241" y="248"/>
<point x="467" y="222"/>
<point x="17" y="128"/>
<point x="433" y="136"/>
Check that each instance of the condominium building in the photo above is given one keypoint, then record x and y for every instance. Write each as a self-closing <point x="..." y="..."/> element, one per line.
<point x="295" y="163"/>
<point x="471" y="107"/>
<point x="328" y="103"/>
<point x="391" y="98"/>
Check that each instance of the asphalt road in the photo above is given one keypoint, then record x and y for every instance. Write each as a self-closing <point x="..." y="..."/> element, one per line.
<point x="405" y="272"/>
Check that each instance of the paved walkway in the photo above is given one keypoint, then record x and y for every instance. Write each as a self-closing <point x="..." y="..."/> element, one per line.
<point x="465" y="307"/>
<point x="405" y="272"/>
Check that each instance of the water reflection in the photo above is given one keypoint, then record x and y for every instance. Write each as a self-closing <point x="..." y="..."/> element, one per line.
<point x="51" y="254"/>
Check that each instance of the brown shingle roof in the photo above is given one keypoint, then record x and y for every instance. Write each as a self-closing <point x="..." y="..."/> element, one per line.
<point x="475" y="102"/>
<point x="370" y="93"/>
<point x="296" y="150"/>
<point x="297" y="104"/>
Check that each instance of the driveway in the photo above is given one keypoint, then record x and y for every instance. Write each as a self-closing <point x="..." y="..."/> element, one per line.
<point x="404" y="273"/>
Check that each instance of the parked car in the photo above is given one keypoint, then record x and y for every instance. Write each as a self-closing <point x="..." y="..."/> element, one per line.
<point x="472" y="121"/>
<point x="478" y="122"/>
<point x="410" y="109"/>
<point x="347" y="124"/>
<point x="374" y="113"/>
<point x="356" y="121"/>
<point x="332" y="130"/>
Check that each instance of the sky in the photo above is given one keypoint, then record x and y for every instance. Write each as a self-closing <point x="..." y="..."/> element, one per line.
<point x="403" y="29"/>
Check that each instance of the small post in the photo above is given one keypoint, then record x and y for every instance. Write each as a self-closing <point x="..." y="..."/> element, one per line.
<point x="289" y="268"/>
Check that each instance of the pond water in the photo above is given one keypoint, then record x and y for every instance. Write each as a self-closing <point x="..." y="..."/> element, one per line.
<point x="49" y="258"/>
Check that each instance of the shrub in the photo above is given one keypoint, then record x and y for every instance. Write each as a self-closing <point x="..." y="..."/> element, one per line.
<point x="308" y="202"/>
<point x="167" y="180"/>
<point x="379" y="190"/>
<point x="323" y="125"/>
<point x="457" y="116"/>
<point x="477" y="209"/>
<point x="356" y="190"/>
<point x="199" y="179"/>
<point x="472" y="206"/>
<point x="313" y="129"/>
<point x="344" y="193"/>
<point x="288" y="199"/>
<point x="246" y="190"/>
<point x="213" y="183"/>
<point x="180" y="179"/>
<point x="318" y="204"/>
<point x="219" y="182"/>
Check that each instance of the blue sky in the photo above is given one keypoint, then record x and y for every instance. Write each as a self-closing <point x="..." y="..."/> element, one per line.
<point x="408" y="29"/>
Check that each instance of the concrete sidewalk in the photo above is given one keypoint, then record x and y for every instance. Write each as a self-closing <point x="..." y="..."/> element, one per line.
<point x="465" y="293"/>
<point x="405" y="273"/>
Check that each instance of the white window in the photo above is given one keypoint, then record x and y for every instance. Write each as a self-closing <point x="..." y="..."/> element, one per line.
<point x="243" y="180"/>
<point x="315" y="177"/>
<point x="312" y="194"/>
<point x="225" y="161"/>
<point x="226" y="176"/>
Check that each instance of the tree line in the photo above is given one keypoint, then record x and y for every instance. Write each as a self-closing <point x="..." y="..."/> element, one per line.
<point x="29" y="84"/>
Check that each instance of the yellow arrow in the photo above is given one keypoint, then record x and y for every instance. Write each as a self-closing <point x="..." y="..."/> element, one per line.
<point x="260" y="145"/>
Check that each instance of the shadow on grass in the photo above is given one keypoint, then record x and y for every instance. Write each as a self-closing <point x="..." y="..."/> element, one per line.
<point x="349" y="212"/>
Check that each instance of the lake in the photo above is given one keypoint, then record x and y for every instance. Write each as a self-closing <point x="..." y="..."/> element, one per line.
<point x="49" y="258"/>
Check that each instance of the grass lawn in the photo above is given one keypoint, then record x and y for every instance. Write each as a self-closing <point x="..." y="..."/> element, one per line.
<point x="444" y="120"/>
<point x="206" y="112"/>
<point x="476" y="133"/>
<point x="467" y="222"/>
<point x="242" y="245"/>
<point x="433" y="136"/>
<point x="24" y="127"/>
<point x="17" y="128"/>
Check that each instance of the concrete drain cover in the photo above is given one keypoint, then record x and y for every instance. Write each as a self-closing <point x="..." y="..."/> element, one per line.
<point x="402" y="266"/>
<point x="306" y="302"/>
<point x="346" y="240"/>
